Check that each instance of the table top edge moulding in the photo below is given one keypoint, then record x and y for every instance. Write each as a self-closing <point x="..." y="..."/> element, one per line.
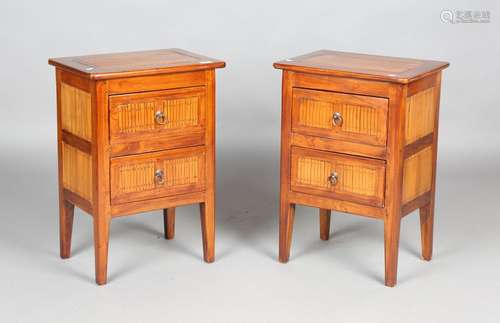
<point x="363" y="66"/>
<point x="137" y="63"/>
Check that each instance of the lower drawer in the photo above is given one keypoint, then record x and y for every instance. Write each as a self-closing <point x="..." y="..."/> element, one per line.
<point x="152" y="175"/>
<point x="338" y="176"/>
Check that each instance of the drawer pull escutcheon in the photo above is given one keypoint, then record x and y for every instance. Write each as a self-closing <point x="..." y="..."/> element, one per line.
<point x="160" y="117"/>
<point x="333" y="178"/>
<point x="159" y="177"/>
<point x="337" y="119"/>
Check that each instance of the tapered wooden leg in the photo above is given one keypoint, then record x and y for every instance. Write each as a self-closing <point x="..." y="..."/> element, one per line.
<point x="391" y="238"/>
<point x="426" y="230"/>
<point x="207" y="215"/>
<point x="101" y="243"/>
<point x="169" y="222"/>
<point x="66" y="214"/>
<point x="324" y="224"/>
<point x="287" y="215"/>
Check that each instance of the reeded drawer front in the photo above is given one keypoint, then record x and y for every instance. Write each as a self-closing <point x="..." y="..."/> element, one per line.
<point x="338" y="176"/>
<point x="158" y="116"/>
<point x="152" y="175"/>
<point x="340" y="116"/>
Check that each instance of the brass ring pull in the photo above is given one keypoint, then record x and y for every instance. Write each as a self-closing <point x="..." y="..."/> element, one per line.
<point x="159" y="177"/>
<point x="333" y="178"/>
<point x="337" y="119"/>
<point x="160" y="117"/>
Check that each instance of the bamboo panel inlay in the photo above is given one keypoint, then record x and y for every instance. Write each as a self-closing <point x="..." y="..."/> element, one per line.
<point x="417" y="174"/>
<point x="182" y="171"/>
<point x="140" y="116"/>
<point x="77" y="171"/>
<point x="137" y="177"/>
<point x="420" y="115"/>
<point x="352" y="178"/>
<point x="76" y="111"/>
<point x="357" y="118"/>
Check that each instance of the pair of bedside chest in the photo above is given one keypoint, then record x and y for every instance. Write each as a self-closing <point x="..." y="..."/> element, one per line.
<point x="136" y="132"/>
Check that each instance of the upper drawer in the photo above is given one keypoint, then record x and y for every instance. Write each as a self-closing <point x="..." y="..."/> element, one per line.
<point x="348" y="117"/>
<point x="152" y="175"/>
<point x="148" y="121"/>
<point x="338" y="176"/>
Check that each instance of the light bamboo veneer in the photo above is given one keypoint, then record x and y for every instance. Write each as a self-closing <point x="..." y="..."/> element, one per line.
<point x="136" y="132"/>
<point x="417" y="174"/>
<point x="420" y="115"/>
<point x="76" y="111"/>
<point x="77" y="171"/>
<point x="359" y="135"/>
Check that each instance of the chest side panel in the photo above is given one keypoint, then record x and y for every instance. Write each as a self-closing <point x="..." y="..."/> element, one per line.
<point x="77" y="171"/>
<point x="75" y="136"/>
<point x="421" y="124"/>
<point x="76" y="111"/>
<point x="420" y="115"/>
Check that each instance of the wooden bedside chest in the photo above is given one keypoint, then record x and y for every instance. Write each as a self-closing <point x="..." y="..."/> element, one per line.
<point x="359" y="135"/>
<point x="136" y="132"/>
